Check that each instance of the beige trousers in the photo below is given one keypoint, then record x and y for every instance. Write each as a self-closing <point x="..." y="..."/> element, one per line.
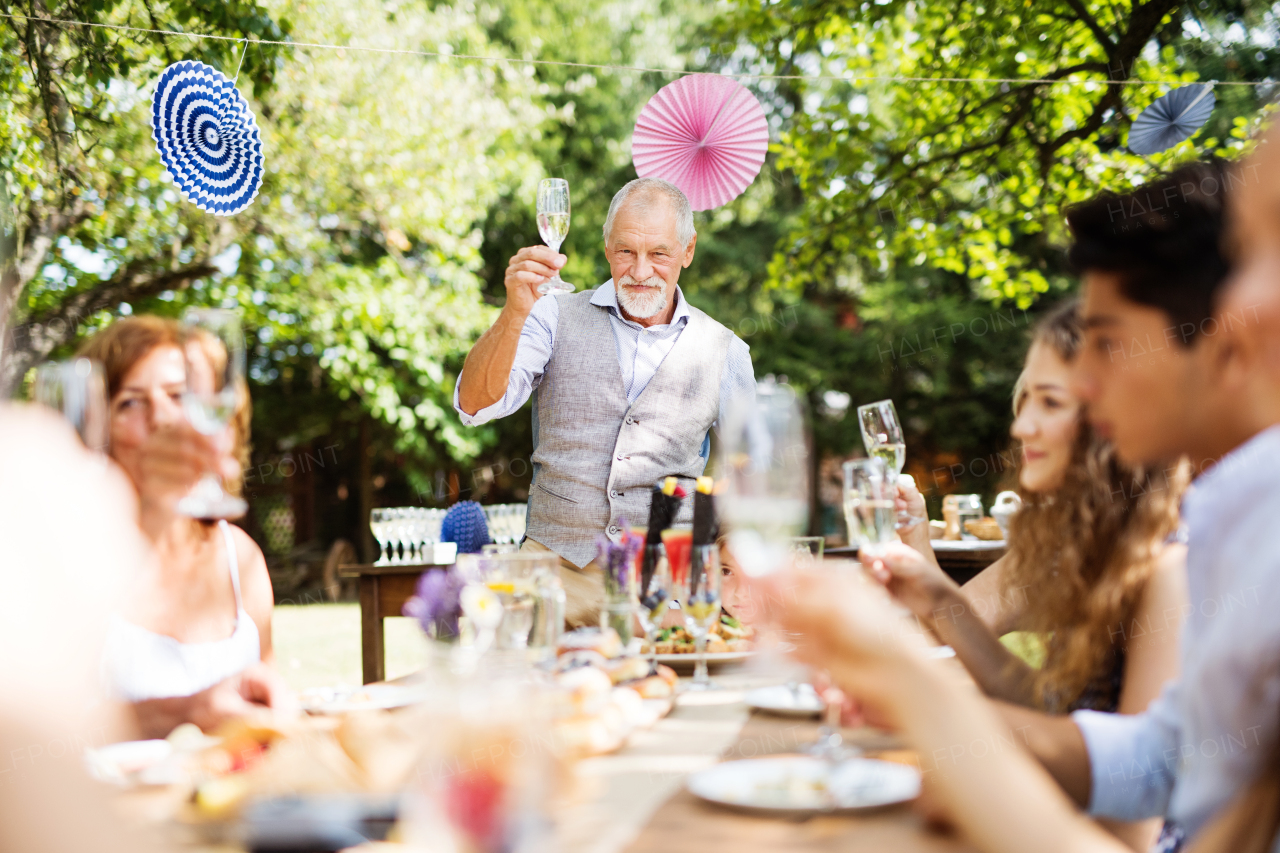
<point x="583" y="589"/>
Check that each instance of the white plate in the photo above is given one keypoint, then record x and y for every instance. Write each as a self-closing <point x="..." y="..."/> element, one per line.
<point x="780" y="699"/>
<point x="123" y="763"/>
<point x="376" y="697"/>
<point x="799" y="785"/>
<point x="688" y="661"/>
<point x="967" y="544"/>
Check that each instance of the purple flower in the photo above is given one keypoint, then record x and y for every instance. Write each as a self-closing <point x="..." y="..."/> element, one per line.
<point x="617" y="560"/>
<point x="437" y="603"/>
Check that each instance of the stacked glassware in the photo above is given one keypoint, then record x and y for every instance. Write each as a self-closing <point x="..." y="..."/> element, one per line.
<point x="406" y="534"/>
<point x="506" y="523"/>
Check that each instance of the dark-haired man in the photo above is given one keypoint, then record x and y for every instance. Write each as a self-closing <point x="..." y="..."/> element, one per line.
<point x="1165" y="373"/>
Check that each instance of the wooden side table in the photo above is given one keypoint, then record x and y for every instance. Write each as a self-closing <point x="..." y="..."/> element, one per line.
<point x="383" y="592"/>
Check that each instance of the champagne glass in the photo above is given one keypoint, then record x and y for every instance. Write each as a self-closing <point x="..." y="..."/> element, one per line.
<point x="883" y="437"/>
<point x="553" y="225"/>
<point x="653" y="592"/>
<point x="868" y="505"/>
<point x="698" y="589"/>
<point x="78" y="390"/>
<point x="214" y="352"/>
<point x="378" y="525"/>
<point x="764" y="470"/>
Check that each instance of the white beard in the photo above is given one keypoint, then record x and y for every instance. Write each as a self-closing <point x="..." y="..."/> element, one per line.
<point x="642" y="306"/>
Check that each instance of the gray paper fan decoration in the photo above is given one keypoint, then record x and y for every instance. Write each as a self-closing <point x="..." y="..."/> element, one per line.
<point x="1172" y="118"/>
<point x="207" y="137"/>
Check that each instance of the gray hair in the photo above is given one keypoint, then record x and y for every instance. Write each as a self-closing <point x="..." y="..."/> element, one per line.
<point x="649" y="189"/>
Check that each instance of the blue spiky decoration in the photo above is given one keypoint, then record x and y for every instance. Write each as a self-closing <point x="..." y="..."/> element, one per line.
<point x="465" y="524"/>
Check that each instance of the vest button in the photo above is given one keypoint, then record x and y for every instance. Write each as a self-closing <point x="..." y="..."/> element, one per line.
<point x="619" y="457"/>
<point x="630" y="419"/>
<point x="613" y="493"/>
<point x="614" y="530"/>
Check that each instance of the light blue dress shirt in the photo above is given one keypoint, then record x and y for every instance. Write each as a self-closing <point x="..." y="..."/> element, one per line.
<point x="1209" y="734"/>
<point x="641" y="351"/>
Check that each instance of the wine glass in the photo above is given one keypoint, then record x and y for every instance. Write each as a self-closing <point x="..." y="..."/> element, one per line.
<point x="553" y="225"/>
<point x="653" y="592"/>
<point x="698" y="589"/>
<point x="78" y="390"/>
<point x="214" y="351"/>
<point x="764" y="470"/>
<point x="807" y="550"/>
<point x="378" y="525"/>
<point x="883" y="437"/>
<point x="868" y="505"/>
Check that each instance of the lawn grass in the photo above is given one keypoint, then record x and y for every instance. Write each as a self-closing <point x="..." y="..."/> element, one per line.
<point x="318" y="645"/>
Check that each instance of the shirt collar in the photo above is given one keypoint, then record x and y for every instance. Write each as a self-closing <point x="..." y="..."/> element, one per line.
<point x="607" y="297"/>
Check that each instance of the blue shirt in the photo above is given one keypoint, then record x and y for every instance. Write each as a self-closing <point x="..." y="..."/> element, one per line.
<point x="641" y="351"/>
<point x="1209" y="734"/>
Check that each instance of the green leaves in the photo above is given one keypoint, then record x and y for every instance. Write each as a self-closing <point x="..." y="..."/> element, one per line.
<point x="970" y="178"/>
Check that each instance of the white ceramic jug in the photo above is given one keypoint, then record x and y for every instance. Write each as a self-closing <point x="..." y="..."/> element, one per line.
<point x="1007" y="503"/>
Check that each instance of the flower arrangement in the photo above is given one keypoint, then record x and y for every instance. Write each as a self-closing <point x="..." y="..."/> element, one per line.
<point x="437" y="603"/>
<point x="618" y="559"/>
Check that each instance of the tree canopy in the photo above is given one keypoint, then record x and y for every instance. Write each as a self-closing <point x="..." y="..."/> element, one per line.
<point x="900" y="240"/>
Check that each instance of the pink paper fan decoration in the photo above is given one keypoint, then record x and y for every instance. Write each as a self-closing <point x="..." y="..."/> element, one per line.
<point x="704" y="133"/>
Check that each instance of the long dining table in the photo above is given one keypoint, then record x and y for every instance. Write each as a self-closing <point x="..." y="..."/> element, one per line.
<point x="636" y="799"/>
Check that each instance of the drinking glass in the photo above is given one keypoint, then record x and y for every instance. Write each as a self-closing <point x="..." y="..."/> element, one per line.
<point x="378" y="525"/>
<point x="514" y="580"/>
<point x="399" y="535"/>
<point x="77" y="389"/>
<point x="553" y="225"/>
<point x="653" y="593"/>
<point x="214" y="351"/>
<point x="499" y="548"/>
<point x="764" y="472"/>
<point x="699" y="592"/>
<point x="868" y="505"/>
<point x="807" y="550"/>
<point x="969" y="509"/>
<point x="882" y="436"/>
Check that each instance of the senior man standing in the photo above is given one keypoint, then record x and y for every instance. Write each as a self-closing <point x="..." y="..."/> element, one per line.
<point x="627" y="380"/>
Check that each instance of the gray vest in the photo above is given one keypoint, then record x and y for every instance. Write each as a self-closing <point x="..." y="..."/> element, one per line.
<point x="596" y="456"/>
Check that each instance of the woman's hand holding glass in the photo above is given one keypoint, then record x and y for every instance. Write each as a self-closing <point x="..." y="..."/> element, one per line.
<point x="172" y="461"/>
<point x="911" y="578"/>
<point x="837" y="626"/>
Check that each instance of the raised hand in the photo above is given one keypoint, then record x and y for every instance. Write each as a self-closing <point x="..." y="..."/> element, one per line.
<point x="910" y="577"/>
<point x="527" y="269"/>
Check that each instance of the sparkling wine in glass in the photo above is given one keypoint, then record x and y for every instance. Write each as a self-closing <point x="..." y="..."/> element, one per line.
<point x="214" y="351"/>
<point x="699" y="593"/>
<point x="78" y="391"/>
<point x="869" y="493"/>
<point x="882" y="434"/>
<point x="553" y="225"/>
<point x="763" y="471"/>
<point x="654" y="592"/>
<point x="883" y="437"/>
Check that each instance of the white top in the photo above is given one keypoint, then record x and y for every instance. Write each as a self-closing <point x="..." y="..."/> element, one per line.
<point x="641" y="351"/>
<point x="1208" y="735"/>
<point x="142" y="664"/>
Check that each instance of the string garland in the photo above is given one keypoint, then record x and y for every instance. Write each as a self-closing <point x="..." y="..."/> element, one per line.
<point x="634" y="68"/>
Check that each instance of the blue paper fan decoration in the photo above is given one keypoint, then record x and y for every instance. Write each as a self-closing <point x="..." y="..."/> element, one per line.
<point x="1172" y="118"/>
<point x="207" y="137"/>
